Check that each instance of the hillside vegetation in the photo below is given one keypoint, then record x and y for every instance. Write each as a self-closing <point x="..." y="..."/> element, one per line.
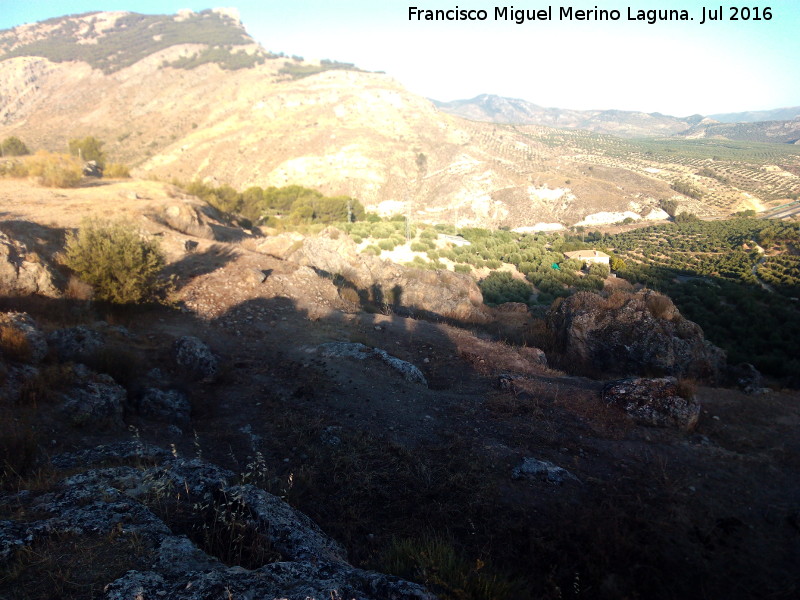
<point x="111" y="46"/>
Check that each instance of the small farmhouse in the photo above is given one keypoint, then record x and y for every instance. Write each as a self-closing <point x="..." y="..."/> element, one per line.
<point x="589" y="257"/>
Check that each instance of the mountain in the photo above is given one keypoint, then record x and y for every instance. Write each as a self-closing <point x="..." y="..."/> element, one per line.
<point x="781" y="126"/>
<point x="192" y="96"/>
<point x="777" y="114"/>
<point x="497" y="109"/>
<point x="780" y="132"/>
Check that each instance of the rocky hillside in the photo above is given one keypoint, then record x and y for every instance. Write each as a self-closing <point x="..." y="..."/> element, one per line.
<point x="300" y="421"/>
<point x="192" y="97"/>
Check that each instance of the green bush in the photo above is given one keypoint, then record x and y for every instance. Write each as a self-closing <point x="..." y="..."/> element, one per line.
<point x="500" y="287"/>
<point x="13" y="146"/>
<point x="88" y="148"/>
<point x="121" y="265"/>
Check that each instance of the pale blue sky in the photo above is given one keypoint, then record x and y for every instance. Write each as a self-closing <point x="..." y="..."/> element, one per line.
<point x="674" y="68"/>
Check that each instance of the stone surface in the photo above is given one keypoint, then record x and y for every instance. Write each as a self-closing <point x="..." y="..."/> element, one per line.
<point x="116" y="501"/>
<point x="532" y="468"/>
<point x="654" y="402"/>
<point x="435" y="294"/>
<point x="94" y="400"/>
<point x="748" y="379"/>
<point x="22" y="325"/>
<point x="359" y="351"/>
<point x="22" y="272"/>
<point x="631" y="334"/>
<point x="76" y="343"/>
<point x="195" y="357"/>
<point x="187" y="218"/>
<point x="167" y="406"/>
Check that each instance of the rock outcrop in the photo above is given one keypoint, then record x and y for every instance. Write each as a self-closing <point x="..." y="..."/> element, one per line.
<point x="409" y="372"/>
<point x="21" y="339"/>
<point x="187" y="218"/>
<point x="658" y="402"/>
<point x="195" y="358"/>
<point x="94" y="400"/>
<point x="23" y="272"/>
<point x="631" y="334"/>
<point x="127" y="503"/>
<point x="370" y="280"/>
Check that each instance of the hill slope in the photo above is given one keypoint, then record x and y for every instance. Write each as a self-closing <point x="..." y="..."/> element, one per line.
<point x="194" y="98"/>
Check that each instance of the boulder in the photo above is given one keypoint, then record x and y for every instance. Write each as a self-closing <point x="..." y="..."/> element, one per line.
<point x="21" y="340"/>
<point x="94" y="400"/>
<point x="280" y="246"/>
<point x="361" y="352"/>
<point x="631" y="334"/>
<point x="748" y="379"/>
<point x="657" y="402"/>
<point x="167" y="406"/>
<point x="22" y="272"/>
<point x="75" y="343"/>
<point x="195" y="358"/>
<point x="532" y="468"/>
<point x="186" y="218"/>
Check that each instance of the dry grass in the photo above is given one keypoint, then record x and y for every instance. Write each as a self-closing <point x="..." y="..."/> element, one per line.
<point x="13" y="343"/>
<point x="660" y="306"/>
<point x="55" y="170"/>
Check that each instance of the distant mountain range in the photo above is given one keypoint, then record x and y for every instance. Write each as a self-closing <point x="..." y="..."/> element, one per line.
<point x="779" y="125"/>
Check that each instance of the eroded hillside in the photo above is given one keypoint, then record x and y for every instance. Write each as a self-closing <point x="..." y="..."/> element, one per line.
<point x="178" y="108"/>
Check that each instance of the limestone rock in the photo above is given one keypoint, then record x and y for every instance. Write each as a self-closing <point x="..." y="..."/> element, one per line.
<point x="94" y="400"/>
<point x="115" y="501"/>
<point x="23" y="273"/>
<point x="280" y="246"/>
<point x="195" y="357"/>
<point x="631" y="334"/>
<point x="29" y="343"/>
<point x="359" y="351"/>
<point x="654" y="402"/>
<point x="188" y="219"/>
<point x="168" y="406"/>
<point x="76" y="343"/>
<point x="532" y="468"/>
<point x="748" y="379"/>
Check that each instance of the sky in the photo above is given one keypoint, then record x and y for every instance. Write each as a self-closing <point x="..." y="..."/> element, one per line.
<point x="673" y="67"/>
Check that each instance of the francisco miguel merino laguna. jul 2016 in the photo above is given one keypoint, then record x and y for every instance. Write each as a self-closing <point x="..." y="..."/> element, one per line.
<point x="569" y="13"/>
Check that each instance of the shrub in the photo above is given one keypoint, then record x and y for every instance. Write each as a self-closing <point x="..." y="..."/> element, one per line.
<point x="13" y="146"/>
<point x="660" y="306"/>
<point x="500" y="287"/>
<point x="88" y="148"/>
<point x="122" y="266"/>
<point x="117" y="171"/>
<point x="599" y="270"/>
<point x="54" y="170"/>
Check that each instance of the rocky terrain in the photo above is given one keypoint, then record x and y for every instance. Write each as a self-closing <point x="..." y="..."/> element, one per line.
<point x="306" y="422"/>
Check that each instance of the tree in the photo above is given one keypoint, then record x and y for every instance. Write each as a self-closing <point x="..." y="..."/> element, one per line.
<point x="121" y="265"/>
<point x="88" y="148"/>
<point x="13" y="146"/>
